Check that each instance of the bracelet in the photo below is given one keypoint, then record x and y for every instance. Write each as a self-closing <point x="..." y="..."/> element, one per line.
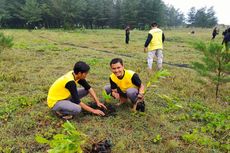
<point x="142" y="93"/>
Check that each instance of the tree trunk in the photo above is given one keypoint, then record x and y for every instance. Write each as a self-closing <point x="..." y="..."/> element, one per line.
<point x="217" y="88"/>
<point x="218" y="79"/>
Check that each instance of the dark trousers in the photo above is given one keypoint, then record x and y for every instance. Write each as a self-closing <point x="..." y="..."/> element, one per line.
<point x="127" y="38"/>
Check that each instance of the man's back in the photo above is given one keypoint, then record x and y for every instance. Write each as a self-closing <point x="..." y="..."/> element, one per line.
<point x="156" y="42"/>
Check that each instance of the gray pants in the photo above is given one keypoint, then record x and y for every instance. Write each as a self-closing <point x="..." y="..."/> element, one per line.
<point x="131" y="93"/>
<point x="151" y="54"/>
<point x="68" y="107"/>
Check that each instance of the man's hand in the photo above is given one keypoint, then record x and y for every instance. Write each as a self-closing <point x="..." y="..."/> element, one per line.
<point x="140" y="96"/>
<point x="98" y="112"/>
<point x="115" y="95"/>
<point x="99" y="104"/>
<point x="145" y="49"/>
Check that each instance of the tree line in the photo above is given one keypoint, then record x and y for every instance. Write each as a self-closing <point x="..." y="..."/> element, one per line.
<point x="97" y="14"/>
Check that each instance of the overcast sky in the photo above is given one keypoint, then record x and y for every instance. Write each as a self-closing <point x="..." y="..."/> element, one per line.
<point x="221" y="7"/>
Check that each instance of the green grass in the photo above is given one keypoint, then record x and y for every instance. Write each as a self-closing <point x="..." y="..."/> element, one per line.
<point x="39" y="57"/>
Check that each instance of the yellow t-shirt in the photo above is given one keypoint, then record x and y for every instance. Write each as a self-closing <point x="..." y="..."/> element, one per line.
<point x="124" y="83"/>
<point x="58" y="91"/>
<point x="156" y="42"/>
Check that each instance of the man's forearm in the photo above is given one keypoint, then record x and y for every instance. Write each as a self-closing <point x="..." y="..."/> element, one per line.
<point x="142" y="89"/>
<point x="93" y="95"/>
<point x="86" y="107"/>
<point x="148" y="40"/>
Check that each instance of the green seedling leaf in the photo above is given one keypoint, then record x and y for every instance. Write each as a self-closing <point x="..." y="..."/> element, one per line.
<point x="40" y="139"/>
<point x="157" y="138"/>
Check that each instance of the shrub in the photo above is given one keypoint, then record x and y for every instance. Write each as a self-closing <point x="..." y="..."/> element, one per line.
<point x="70" y="140"/>
<point x="5" y="41"/>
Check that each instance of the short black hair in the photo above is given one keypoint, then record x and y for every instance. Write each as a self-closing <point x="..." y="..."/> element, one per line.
<point x="81" y="67"/>
<point x="154" y="24"/>
<point x="116" y="60"/>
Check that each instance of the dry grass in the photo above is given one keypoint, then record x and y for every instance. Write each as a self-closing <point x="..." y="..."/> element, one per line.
<point x="39" y="57"/>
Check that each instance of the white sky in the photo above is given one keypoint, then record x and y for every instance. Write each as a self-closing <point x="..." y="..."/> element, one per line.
<point x="221" y="7"/>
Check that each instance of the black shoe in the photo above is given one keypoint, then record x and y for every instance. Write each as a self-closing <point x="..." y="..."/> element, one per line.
<point x="64" y="116"/>
<point x="140" y="106"/>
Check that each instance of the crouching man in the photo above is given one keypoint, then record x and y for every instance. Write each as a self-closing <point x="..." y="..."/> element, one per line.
<point x="64" y="96"/>
<point x="124" y="84"/>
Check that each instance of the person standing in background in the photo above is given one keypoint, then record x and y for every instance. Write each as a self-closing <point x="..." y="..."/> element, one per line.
<point x="226" y="39"/>
<point x="214" y="33"/>
<point x="127" y="33"/>
<point x="154" y="46"/>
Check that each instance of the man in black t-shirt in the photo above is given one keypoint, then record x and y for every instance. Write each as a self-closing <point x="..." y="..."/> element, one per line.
<point x="127" y="33"/>
<point x="64" y="96"/>
<point x="226" y="39"/>
<point x="214" y="33"/>
<point x="124" y="84"/>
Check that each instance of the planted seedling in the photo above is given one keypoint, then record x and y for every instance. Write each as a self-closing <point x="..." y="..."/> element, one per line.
<point x="106" y="96"/>
<point x="157" y="138"/>
<point x="70" y="140"/>
<point x="110" y="111"/>
<point x="140" y="104"/>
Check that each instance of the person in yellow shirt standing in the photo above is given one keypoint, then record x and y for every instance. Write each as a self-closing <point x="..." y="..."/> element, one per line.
<point x="64" y="96"/>
<point x="154" y="46"/>
<point x="124" y="84"/>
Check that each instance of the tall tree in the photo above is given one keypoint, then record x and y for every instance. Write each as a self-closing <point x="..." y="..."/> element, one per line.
<point x="143" y="13"/>
<point x="2" y="12"/>
<point x="201" y="17"/>
<point x="12" y="10"/>
<point x="157" y="12"/>
<point x="115" y="19"/>
<point x="69" y="12"/>
<point x="103" y="12"/>
<point x="174" y="17"/>
<point x="211" y="18"/>
<point x="31" y="12"/>
<point x="129" y="12"/>
<point x="191" y="16"/>
<point x="89" y="13"/>
<point x="46" y="15"/>
<point x="65" y="12"/>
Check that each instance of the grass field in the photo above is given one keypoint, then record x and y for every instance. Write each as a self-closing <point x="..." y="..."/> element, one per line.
<point x="182" y="110"/>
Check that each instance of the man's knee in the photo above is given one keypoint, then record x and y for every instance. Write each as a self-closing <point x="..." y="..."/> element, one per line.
<point x="132" y="94"/>
<point x="82" y="92"/>
<point x="131" y="91"/>
<point x="86" y="92"/>
<point x="159" y="57"/>
<point x="107" y="88"/>
<point x="77" y="109"/>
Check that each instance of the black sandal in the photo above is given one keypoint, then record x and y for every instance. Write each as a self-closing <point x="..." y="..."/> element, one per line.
<point x="64" y="116"/>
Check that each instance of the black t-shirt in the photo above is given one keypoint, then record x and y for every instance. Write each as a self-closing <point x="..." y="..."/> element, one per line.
<point x="72" y="87"/>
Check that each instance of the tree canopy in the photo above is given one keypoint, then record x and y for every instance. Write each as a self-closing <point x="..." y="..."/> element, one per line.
<point x="202" y="17"/>
<point x="97" y="14"/>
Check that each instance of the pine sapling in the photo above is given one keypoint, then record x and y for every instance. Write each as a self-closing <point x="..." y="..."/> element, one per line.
<point x="215" y="64"/>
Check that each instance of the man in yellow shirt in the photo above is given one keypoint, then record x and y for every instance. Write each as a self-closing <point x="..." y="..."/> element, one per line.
<point x="64" y="96"/>
<point x="124" y="84"/>
<point x="154" y="46"/>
